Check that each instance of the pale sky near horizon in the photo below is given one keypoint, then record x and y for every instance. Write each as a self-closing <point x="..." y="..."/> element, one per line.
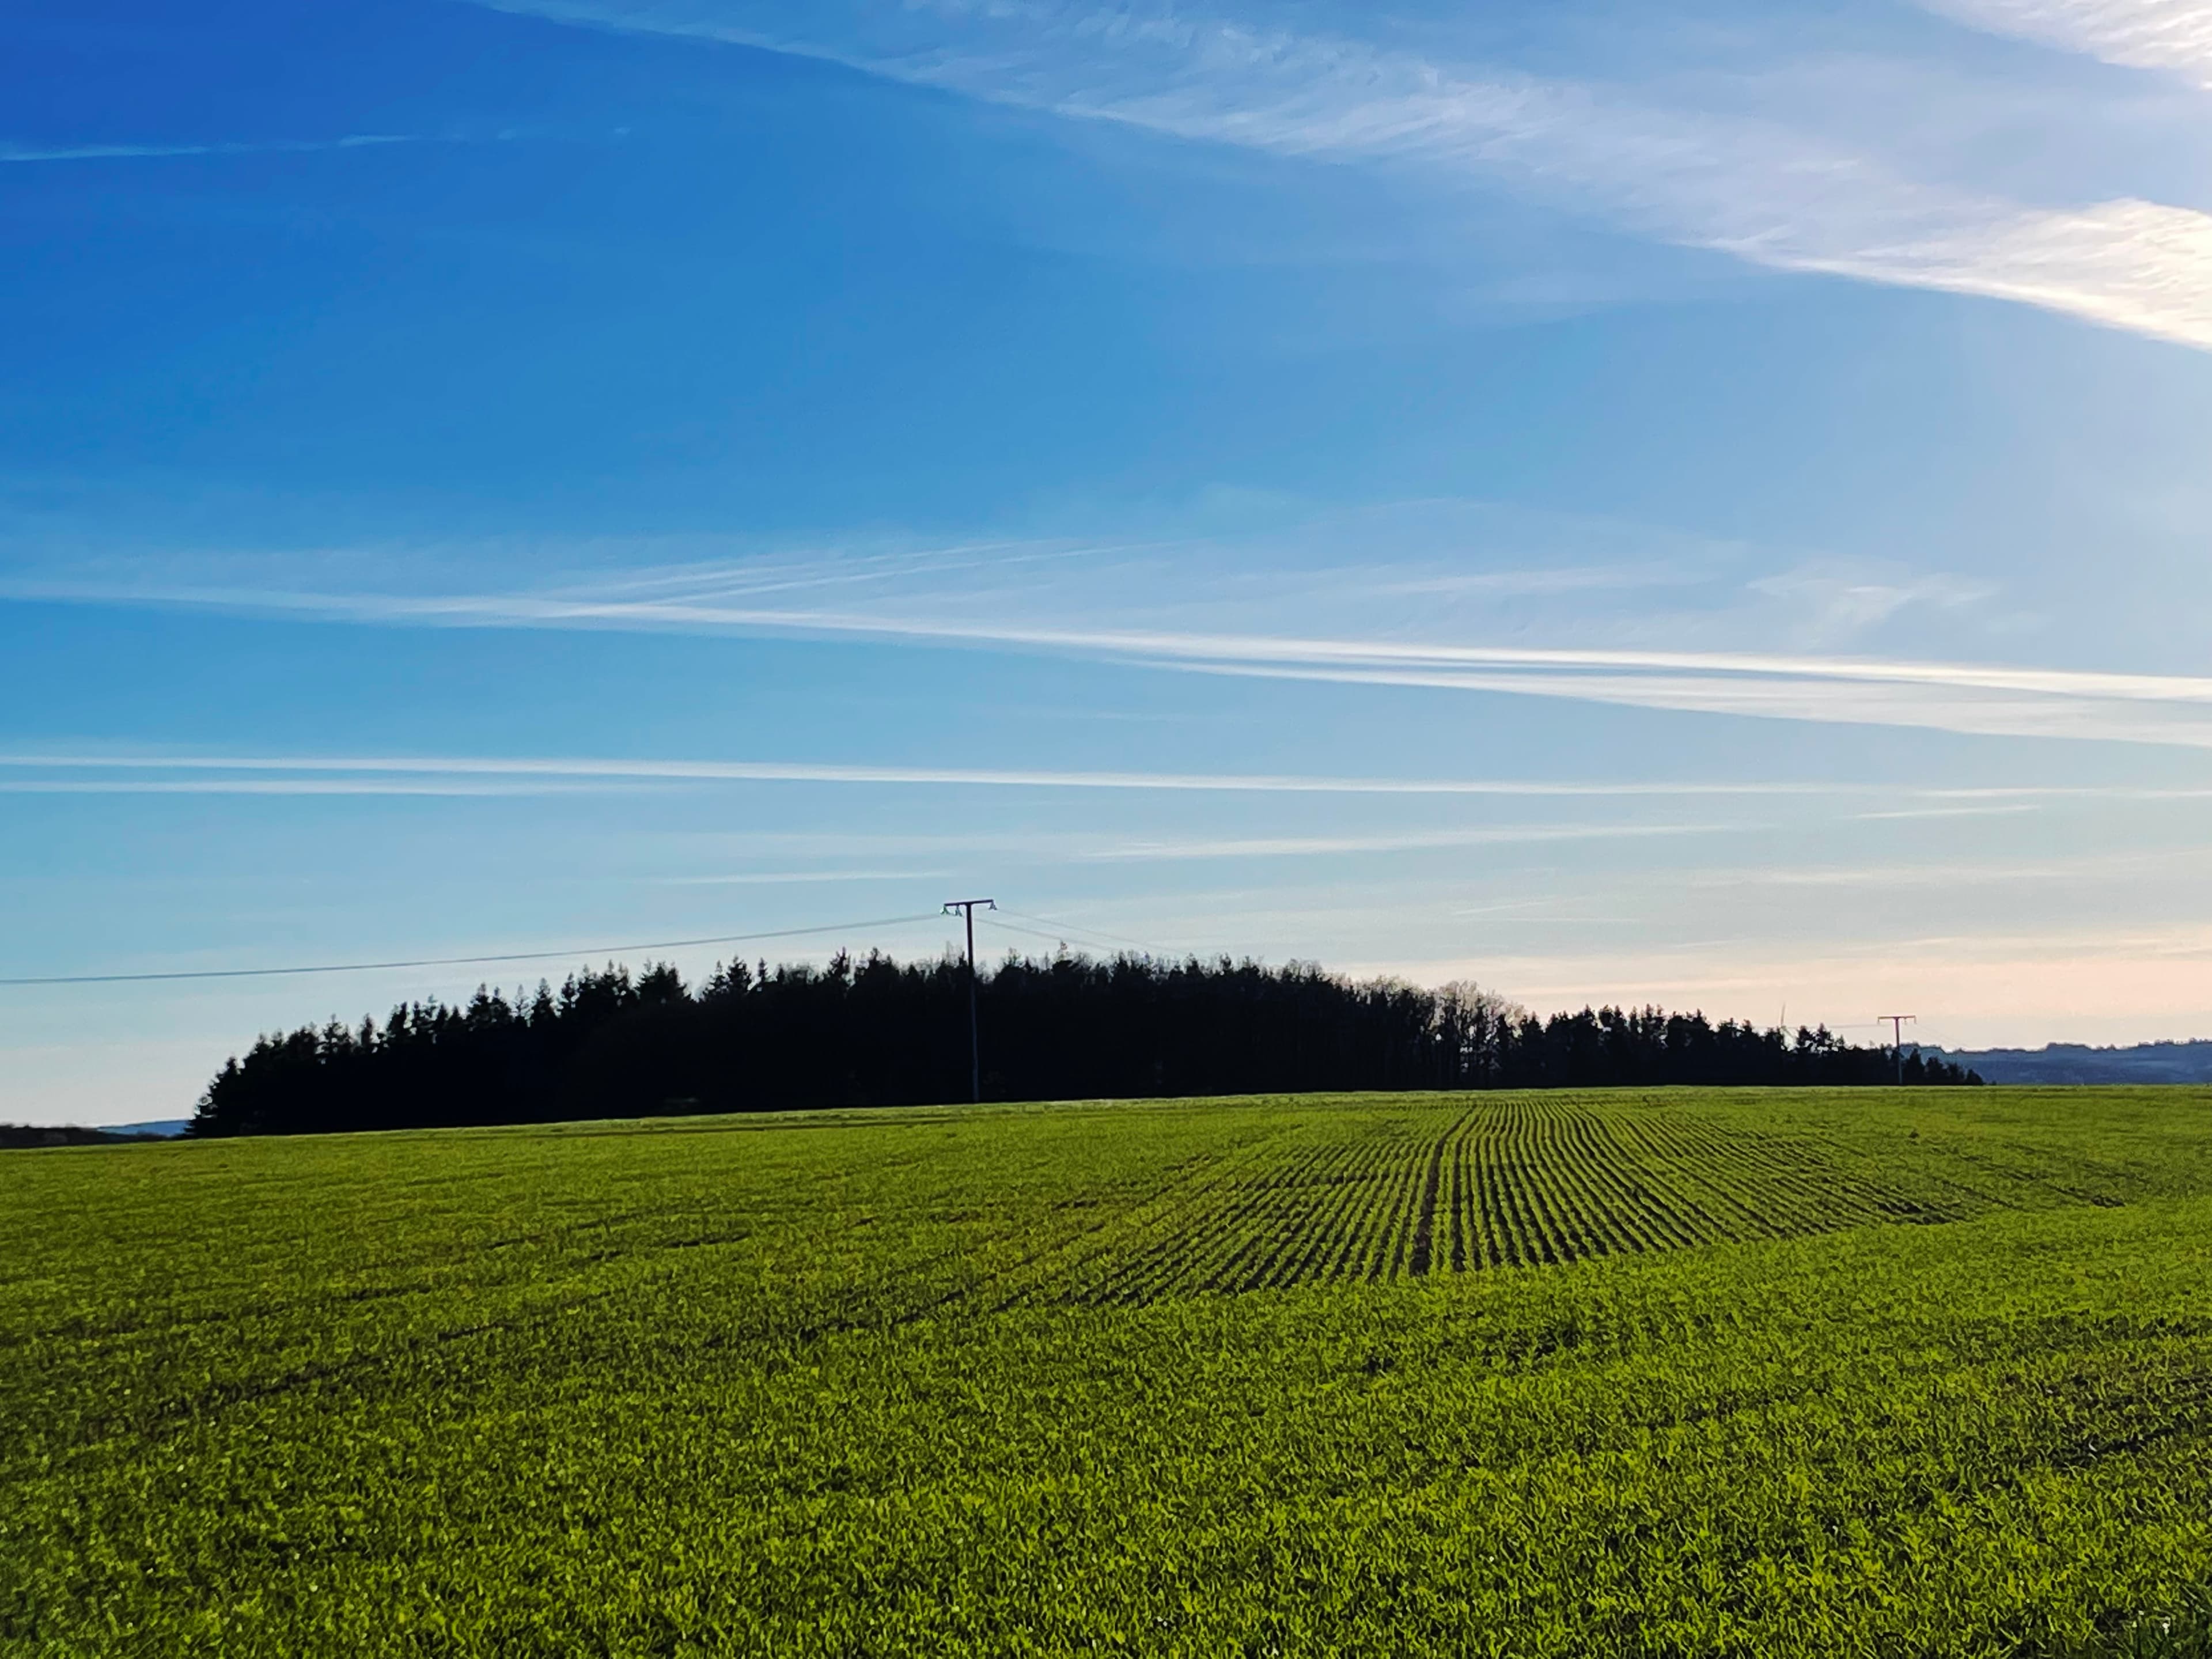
<point x="1697" y="502"/>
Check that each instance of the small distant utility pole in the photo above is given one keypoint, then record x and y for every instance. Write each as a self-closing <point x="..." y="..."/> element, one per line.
<point x="966" y="908"/>
<point x="1897" y="1024"/>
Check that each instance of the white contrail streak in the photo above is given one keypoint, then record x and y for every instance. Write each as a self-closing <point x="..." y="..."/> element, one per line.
<point x="1978" y="699"/>
<point x="525" y="609"/>
<point x="446" y="774"/>
<point x="814" y="772"/>
<point x="25" y="153"/>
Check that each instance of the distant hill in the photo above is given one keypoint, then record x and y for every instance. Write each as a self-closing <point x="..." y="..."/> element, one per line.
<point x="42" y="1135"/>
<point x="2077" y="1062"/>
<point x="160" y="1128"/>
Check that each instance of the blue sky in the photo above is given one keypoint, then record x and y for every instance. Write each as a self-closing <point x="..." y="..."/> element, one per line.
<point x="1699" y="502"/>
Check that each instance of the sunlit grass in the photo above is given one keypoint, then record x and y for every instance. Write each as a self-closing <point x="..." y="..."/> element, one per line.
<point x="1684" y="1373"/>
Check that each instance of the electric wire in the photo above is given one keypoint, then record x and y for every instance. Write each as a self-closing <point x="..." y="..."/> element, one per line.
<point x="1032" y="932"/>
<point x="1094" y="932"/>
<point x="464" y="961"/>
<point x="1064" y="931"/>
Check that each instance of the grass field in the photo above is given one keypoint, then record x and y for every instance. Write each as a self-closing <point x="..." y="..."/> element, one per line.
<point x="1750" y="1374"/>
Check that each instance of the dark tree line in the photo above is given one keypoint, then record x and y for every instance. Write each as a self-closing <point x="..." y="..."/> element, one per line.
<point x="884" y="1033"/>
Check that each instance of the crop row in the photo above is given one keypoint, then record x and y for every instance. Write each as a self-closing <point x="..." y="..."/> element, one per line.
<point x="1505" y="1183"/>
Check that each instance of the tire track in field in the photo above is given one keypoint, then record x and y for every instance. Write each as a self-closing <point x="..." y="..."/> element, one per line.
<point x="1424" y="1230"/>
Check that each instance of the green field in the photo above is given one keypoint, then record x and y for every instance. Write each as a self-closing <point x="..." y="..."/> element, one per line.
<point x="1694" y="1373"/>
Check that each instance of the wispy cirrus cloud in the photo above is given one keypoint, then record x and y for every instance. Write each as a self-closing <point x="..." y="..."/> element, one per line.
<point x="24" y="153"/>
<point x="377" y="773"/>
<point x="1065" y="849"/>
<point x="2174" y="35"/>
<point x="800" y="877"/>
<point x="1421" y="840"/>
<point x="693" y="601"/>
<point x="1833" y="691"/>
<point x="1760" y="190"/>
<point x="295" y="786"/>
<point x="1982" y="699"/>
<point x="123" y="771"/>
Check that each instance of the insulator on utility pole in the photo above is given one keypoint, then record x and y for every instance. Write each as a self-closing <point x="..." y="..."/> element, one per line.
<point x="967" y="908"/>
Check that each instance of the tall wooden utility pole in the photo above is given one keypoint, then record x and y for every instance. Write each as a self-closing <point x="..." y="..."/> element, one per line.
<point x="967" y="908"/>
<point x="1897" y="1024"/>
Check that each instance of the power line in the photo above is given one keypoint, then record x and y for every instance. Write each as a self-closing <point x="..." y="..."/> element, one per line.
<point x="465" y="962"/>
<point x="1031" y="933"/>
<point x="1070" y="927"/>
